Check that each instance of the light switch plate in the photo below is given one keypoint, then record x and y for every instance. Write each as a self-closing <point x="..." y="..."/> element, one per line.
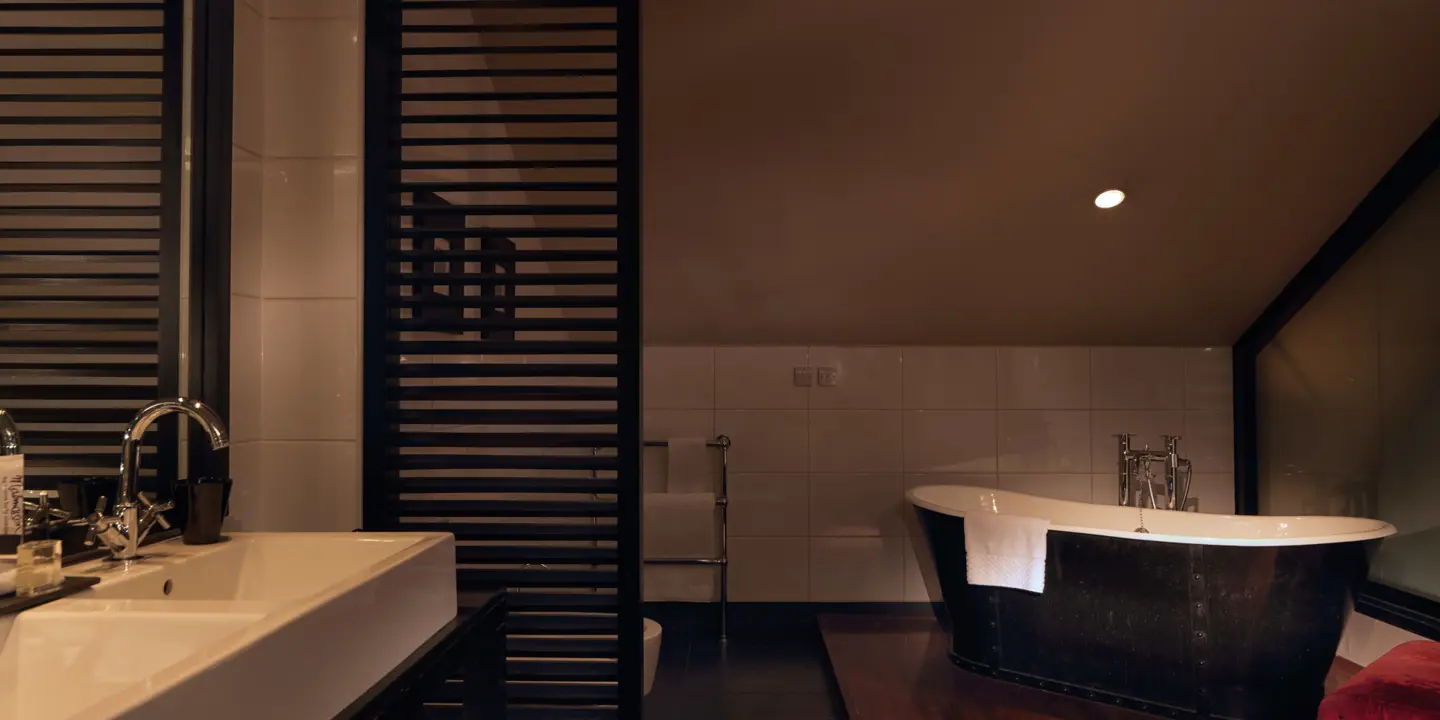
<point x="804" y="376"/>
<point x="828" y="376"/>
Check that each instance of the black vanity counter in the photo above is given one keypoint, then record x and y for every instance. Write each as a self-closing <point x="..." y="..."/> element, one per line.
<point x="459" y="672"/>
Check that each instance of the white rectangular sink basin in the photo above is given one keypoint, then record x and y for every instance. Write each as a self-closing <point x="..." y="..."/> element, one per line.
<point x="272" y="625"/>
<point x="56" y="664"/>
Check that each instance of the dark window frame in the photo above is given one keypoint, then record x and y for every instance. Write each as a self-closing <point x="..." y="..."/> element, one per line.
<point x="212" y="135"/>
<point x="1402" y="609"/>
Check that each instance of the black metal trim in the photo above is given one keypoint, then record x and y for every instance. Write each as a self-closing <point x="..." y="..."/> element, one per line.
<point x="212" y="115"/>
<point x="1124" y="701"/>
<point x="172" y="178"/>
<point x="1397" y="607"/>
<point x="381" y="83"/>
<point x="631" y="341"/>
<point x="469" y="648"/>
<point x="1405" y="610"/>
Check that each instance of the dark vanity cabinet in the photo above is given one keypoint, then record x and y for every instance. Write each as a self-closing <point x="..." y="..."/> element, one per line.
<point x="458" y="673"/>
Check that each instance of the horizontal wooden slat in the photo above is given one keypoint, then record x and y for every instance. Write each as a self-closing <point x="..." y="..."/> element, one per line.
<point x="551" y="692"/>
<point x="520" y="711"/>
<point x="510" y="393"/>
<point x="522" y="601"/>
<point x="596" y="140"/>
<point x="560" y="669"/>
<point x="507" y="301"/>
<point x="537" y="646"/>
<point x="530" y="27"/>
<point x="505" y="417"/>
<point x="500" y="439"/>
<point x="510" y="185"/>
<point x="78" y="392"/>
<point x="469" y="579"/>
<point x="509" y="347"/>
<point x="507" y="96"/>
<point x="470" y="485"/>
<point x="514" y="531"/>
<point x="562" y="324"/>
<point x="78" y="414"/>
<point x="562" y="623"/>
<point x="503" y="4"/>
<point x="521" y="554"/>
<point x="482" y="210"/>
<point x="55" y="6"/>
<point x="76" y="370"/>
<point x="538" y="163"/>
<point x="501" y="462"/>
<point x="453" y="50"/>
<point x="474" y="279"/>
<point x="439" y="370"/>
<point x="506" y="508"/>
<point x="81" y="30"/>
<point x="552" y="72"/>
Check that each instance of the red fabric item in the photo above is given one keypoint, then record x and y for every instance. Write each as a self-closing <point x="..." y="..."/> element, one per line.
<point x="1404" y="684"/>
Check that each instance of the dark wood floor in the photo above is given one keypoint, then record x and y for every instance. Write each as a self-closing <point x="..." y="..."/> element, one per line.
<point x="896" y="668"/>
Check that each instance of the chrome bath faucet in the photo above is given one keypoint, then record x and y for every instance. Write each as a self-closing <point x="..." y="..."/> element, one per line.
<point x="1133" y="461"/>
<point x="135" y="513"/>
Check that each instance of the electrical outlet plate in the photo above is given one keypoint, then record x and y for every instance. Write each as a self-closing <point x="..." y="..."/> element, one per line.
<point x="804" y="376"/>
<point x="828" y="376"/>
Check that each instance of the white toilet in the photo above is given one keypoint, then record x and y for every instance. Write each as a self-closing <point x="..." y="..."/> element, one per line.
<point x="652" y="652"/>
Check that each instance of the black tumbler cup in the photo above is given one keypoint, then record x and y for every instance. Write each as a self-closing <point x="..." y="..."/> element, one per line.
<point x="204" y="503"/>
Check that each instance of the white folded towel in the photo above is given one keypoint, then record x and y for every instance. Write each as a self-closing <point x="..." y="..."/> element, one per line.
<point x="680" y="525"/>
<point x="690" y="467"/>
<point x="1005" y="550"/>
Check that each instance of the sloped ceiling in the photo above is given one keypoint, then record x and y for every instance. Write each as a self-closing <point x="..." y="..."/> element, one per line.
<point x="923" y="171"/>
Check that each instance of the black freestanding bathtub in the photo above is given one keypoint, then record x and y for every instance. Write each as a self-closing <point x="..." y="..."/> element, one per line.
<point x="1204" y="616"/>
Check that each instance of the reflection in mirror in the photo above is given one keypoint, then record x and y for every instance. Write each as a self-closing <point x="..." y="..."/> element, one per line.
<point x="93" y="181"/>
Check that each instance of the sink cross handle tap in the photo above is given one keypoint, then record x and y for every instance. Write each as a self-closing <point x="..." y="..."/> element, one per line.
<point x="136" y="513"/>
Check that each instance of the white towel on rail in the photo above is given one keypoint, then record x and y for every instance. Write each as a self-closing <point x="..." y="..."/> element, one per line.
<point x="680" y="525"/>
<point x="690" y="467"/>
<point x="1005" y="550"/>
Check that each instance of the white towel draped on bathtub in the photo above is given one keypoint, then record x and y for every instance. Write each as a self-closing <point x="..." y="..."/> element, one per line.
<point x="1005" y="550"/>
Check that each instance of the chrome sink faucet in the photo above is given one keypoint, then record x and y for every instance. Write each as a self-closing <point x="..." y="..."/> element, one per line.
<point x="136" y="513"/>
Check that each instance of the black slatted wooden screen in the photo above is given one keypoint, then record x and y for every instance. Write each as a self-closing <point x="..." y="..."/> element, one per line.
<point x="91" y="98"/>
<point x="502" y="318"/>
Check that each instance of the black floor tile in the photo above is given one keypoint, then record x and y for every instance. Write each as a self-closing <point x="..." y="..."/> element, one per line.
<point x="797" y="668"/>
<point x="780" y="706"/>
<point x="742" y="706"/>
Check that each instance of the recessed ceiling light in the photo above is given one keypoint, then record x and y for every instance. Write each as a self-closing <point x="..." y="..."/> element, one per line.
<point x="1109" y="199"/>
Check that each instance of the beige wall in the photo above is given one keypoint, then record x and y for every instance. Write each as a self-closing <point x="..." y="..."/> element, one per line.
<point x="922" y="172"/>
<point x="295" y="313"/>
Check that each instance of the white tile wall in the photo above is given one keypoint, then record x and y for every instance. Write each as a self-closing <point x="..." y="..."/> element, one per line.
<point x="311" y="226"/>
<point x="248" y="129"/>
<point x="312" y="86"/>
<point x="818" y="475"/>
<point x="758" y="378"/>
<point x="295" y="265"/>
<point x="310" y="382"/>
